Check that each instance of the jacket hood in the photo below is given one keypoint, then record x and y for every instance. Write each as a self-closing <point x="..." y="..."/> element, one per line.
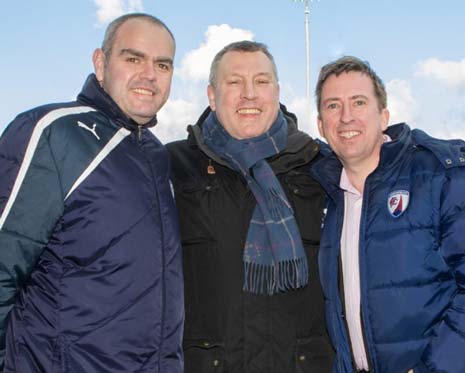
<point x="92" y="94"/>
<point x="300" y="148"/>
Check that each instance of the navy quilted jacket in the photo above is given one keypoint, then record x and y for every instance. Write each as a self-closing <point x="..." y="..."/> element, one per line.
<point x="412" y="259"/>
<point x="90" y="266"/>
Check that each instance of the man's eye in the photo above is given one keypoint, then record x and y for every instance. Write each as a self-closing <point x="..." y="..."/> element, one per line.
<point x="133" y="60"/>
<point x="233" y="82"/>
<point x="263" y="81"/>
<point x="360" y="102"/>
<point x="164" y="66"/>
<point x="332" y="106"/>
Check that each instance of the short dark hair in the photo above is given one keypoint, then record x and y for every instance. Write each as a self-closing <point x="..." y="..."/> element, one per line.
<point x="246" y="46"/>
<point x="113" y="27"/>
<point x="347" y="64"/>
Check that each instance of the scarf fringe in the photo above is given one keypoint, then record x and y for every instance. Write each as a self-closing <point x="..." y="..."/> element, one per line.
<point x="272" y="279"/>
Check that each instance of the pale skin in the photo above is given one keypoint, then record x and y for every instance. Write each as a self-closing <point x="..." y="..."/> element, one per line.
<point x="246" y="96"/>
<point x="353" y="123"/>
<point x="137" y="74"/>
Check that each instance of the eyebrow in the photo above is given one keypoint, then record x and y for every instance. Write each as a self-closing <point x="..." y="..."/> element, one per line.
<point x="135" y="52"/>
<point x="234" y="74"/>
<point x="354" y="97"/>
<point x="358" y="96"/>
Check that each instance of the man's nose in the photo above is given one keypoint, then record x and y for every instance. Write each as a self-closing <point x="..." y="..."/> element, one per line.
<point x="249" y="91"/>
<point x="148" y="71"/>
<point x="346" y="113"/>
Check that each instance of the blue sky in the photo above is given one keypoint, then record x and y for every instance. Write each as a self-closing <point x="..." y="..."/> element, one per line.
<point x="415" y="46"/>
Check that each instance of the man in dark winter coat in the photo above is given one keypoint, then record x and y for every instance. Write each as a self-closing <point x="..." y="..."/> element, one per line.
<point x="250" y="225"/>
<point x="90" y="255"/>
<point x="392" y="258"/>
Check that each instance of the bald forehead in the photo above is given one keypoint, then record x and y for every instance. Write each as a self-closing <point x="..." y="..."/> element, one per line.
<point x="141" y="25"/>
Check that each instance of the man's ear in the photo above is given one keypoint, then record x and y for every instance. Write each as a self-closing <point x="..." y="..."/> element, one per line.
<point x="320" y="127"/>
<point x="98" y="58"/>
<point x="385" y="119"/>
<point x="211" y="97"/>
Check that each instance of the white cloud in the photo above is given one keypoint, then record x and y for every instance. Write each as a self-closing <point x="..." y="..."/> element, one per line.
<point x="450" y="123"/>
<point x="110" y="9"/>
<point x="174" y="117"/>
<point x="401" y="103"/>
<point x="306" y="115"/>
<point x="449" y="72"/>
<point x="195" y="64"/>
<point x="178" y="112"/>
<point x="446" y="133"/>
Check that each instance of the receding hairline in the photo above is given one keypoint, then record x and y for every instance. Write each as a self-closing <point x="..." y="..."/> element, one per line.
<point x="148" y="21"/>
<point x="113" y="29"/>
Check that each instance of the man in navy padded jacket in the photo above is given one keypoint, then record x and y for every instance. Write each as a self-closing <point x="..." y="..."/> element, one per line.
<point x="90" y="265"/>
<point x="392" y="257"/>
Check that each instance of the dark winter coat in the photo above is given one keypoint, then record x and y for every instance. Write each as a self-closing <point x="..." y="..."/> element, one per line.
<point x="412" y="259"/>
<point x="228" y="330"/>
<point x="90" y="256"/>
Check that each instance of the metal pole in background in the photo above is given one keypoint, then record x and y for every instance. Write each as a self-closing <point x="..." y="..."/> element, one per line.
<point x="307" y="47"/>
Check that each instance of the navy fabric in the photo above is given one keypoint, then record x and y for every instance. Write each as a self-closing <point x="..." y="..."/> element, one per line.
<point x="412" y="265"/>
<point x="91" y="263"/>
<point x="274" y="257"/>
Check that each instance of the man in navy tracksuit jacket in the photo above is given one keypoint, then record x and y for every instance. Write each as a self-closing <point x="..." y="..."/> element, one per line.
<point x="90" y="266"/>
<point x="392" y="257"/>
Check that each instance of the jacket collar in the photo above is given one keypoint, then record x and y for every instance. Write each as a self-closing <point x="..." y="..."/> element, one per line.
<point x="393" y="151"/>
<point x="300" y="147"/>
<point x="92" y="94"/>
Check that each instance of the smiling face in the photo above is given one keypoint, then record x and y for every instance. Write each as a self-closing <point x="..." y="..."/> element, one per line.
<point x="137" y="73"/>
<point x="246" y="95"/>
<point x="351" y="121"/>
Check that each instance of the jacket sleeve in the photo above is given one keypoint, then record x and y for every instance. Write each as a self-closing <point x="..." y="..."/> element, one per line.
<point x="445" y="352"/>
<point x="30" y="203"/>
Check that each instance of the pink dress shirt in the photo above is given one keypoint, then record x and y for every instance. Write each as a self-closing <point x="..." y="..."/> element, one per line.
<point x="351" y="270"/>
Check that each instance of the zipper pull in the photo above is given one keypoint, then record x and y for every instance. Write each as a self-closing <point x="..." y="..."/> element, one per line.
<point x="139" y="133"/>
<point x="210" y="169"/>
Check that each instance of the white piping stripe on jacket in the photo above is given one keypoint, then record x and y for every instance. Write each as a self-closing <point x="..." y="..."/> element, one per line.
<point x="41" y="125"/>
<point x="115" y="140"/>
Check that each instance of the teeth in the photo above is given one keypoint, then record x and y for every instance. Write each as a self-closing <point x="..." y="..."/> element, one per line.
<point x="349" y="134"/>
<point x="248" y="111"/>
<point x="143" y="91"/>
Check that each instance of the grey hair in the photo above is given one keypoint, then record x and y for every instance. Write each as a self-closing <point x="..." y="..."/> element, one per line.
<point x="347" y="64"/>
<point x="245" y="46"/>
<point x="113" y="27"/>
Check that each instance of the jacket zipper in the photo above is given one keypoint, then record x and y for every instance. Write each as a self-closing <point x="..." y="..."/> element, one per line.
<point x="162" y="234"/>
<point x="362" y="216"/>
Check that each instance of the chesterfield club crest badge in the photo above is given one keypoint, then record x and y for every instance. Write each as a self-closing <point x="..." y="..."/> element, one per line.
<point x="397" y="202"/>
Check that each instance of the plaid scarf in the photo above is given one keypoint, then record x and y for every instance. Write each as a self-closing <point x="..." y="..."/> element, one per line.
<point x="274" y="257"/>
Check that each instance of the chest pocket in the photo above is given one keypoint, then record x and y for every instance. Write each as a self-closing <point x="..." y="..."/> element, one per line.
<point x="203" y="356"/>
<point x="195" y="202"/>
<point x="307" y="199"/>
